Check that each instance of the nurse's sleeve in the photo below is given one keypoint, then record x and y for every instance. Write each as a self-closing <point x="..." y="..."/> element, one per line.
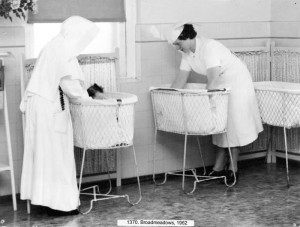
<point x="73" y="89"/>
<point x="212" y="56"/>
<point x="71" y="80"/>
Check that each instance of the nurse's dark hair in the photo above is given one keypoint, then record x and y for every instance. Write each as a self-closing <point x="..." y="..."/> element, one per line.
<point x="92" y="90"/>
<point x="188" y="32"/>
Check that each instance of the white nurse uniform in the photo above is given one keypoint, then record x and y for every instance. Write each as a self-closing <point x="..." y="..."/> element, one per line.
<point x="244" y="122"/>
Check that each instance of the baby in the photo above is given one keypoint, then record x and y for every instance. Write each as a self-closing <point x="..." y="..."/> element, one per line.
<point x="95" y="91"/>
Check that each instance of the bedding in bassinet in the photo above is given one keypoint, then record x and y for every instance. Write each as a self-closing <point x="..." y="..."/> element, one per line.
<point x="192" y="110"/>
<point x="100" y="124"/>
<point x="279" y="103"/>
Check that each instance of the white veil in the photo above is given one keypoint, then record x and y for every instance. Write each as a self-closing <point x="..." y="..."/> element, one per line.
<point x="58" y="58"/>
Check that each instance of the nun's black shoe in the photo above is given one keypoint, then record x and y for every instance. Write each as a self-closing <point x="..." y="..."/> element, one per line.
<point x="52" y="212"/>
<point x="230" y="177"/>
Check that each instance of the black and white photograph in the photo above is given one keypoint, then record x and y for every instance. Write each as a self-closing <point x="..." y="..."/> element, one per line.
<point x="149" y="113"/>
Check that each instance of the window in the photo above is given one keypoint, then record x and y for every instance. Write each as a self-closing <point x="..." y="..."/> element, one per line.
<point x="107" y="40"/>
<point x="112" y="35"/>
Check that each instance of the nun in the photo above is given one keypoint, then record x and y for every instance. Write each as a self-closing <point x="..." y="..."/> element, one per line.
<point x="48" y="174"/>
<point x="222" y="68"/>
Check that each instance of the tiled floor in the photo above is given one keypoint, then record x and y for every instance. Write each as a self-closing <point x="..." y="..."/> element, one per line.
<point x="260" y="198"/>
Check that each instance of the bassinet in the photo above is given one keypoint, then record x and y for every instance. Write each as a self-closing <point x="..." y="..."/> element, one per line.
<point x="279" y="105"/>
<point x="189" y="111"/>
<point x="104" y="123"/>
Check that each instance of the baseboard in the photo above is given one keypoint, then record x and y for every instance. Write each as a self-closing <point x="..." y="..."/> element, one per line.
<point x="293" y="158"/>
<point x="253" y="155"/>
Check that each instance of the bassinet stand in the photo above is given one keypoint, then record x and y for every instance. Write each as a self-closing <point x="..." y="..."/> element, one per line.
<point x="283" y="116"/>
<point x="198" y="178"/>
<point x="96" y="192"/>
<point x="286" y="159"/>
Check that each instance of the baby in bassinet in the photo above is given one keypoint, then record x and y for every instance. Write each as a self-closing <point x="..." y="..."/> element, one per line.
<point x="96" y="92"/>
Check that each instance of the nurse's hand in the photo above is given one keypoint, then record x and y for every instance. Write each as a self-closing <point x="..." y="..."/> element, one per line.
<point x="181" y="79"/>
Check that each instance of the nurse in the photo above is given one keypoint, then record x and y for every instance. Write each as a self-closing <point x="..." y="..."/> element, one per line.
<point x="49" y="174"/>
<point x="222" y="69"/>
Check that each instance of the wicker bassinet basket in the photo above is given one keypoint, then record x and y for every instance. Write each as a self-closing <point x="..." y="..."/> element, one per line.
<point x="279" y="103"/>
<point x="104" y="124"/>
<point x="192" y="110"/>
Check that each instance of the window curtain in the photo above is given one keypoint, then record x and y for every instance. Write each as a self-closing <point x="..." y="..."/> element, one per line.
<point x="56" y="11"/>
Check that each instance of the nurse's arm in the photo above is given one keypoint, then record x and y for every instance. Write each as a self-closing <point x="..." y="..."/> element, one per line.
<point x="213" y="78"/>
<point x="180" y="79"/>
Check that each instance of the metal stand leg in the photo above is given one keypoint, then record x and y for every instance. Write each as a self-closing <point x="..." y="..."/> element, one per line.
<point x="206" y="178"/>
<point x="96" y="192"/>
<point x="81" y="169"/>
<point x="80" y="177"/>
<point x="28" y="206"/>
<point x="180" y="172"/>
<point x="201" y="156"/>
<point x="138" y="180"/>
<point x="95" y="188"/>
<point x="109" y="178"/>
<point x="203" y="177"/>
<point x="270" y="154"/>
<point x="184" y="161"/>
<point x="286" y="159"/>
<point x="183" y="174"/>
<point x="119" y="168"/>
<point x="194" y="174"/>
<point x="154" y="161"/>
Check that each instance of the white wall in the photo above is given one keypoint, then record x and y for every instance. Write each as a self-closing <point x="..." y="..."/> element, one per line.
<point x="285" y="22"/>
<point x="207" y="11"/>
<point x="219" y="19"/>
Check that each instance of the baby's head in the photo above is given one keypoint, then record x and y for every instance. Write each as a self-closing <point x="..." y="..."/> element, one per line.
<point x="95" y="91"/>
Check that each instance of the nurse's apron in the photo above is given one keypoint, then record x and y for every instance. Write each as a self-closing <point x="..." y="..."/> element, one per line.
<point x="244" y="122"/>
